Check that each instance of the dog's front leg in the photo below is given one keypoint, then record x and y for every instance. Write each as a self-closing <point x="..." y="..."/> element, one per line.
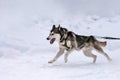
<point x="67" y="54"/>
<point x="61" y="51"/>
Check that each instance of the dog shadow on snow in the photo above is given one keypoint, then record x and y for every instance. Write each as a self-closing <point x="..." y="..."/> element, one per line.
<point x="73" y="65"/>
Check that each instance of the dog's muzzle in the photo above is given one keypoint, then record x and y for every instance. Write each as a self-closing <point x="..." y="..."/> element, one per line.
<point x="51" y="40"/>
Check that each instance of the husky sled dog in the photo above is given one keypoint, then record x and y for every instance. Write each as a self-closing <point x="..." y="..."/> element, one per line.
<point x="70" y="41"/>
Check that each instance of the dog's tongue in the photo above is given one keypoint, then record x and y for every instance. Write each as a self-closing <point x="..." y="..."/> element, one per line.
<point x="52" y="41"/>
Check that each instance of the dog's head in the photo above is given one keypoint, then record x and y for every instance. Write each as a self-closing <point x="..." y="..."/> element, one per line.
<point x="56" y="33"/>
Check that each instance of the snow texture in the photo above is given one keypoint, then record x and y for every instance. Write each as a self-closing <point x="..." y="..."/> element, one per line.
<point x="25" y="52"/>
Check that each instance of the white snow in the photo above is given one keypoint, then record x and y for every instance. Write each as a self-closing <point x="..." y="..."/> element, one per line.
<point x="25" y="52"/>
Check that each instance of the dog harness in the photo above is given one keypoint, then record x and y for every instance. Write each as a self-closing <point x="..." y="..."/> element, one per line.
<point x="84" y="40"/>
<point x="64" y="43"/>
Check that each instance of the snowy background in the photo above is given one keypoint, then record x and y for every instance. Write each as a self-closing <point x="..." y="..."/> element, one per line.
<point x="24" y="50"/>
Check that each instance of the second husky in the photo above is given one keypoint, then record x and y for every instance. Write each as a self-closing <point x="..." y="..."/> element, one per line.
<point x="70" y="41"/>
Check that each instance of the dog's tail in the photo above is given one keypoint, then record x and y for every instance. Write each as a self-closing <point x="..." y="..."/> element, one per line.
<point x="110" y="38"/>
<point x="102" y="44"/>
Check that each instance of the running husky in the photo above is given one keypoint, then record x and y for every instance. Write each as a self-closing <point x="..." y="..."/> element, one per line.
<point x="70" y="41"/>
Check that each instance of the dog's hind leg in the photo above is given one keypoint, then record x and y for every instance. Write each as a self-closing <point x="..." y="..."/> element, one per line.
<point x="88" y="53"/>
<point x="61" y="51"/>
<point x="100" y="50"/>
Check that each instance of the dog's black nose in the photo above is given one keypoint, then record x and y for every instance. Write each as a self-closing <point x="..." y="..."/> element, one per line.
<point x="47" y="38"/>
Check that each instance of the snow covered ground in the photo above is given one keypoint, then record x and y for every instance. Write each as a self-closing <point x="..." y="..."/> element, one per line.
<point x="25" y="52"/>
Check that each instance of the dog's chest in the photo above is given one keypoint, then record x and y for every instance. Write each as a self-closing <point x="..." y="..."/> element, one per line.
<point x="65" y="44"/>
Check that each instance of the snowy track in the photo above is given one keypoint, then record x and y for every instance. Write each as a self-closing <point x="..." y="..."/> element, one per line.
<point x="25" y="57"/>
<point x="35" y="67"/>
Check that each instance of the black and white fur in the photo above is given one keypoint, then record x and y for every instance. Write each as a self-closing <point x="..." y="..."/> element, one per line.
<point x="70" y="41"/>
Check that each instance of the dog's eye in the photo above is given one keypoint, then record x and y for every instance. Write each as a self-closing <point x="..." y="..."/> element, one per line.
<point x="52" y="34"/>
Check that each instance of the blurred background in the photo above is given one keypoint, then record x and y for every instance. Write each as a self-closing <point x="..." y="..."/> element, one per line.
<point x="25" y="25"/>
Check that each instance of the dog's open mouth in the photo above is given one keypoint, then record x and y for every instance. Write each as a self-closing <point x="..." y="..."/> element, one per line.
<point x="52" y="40"/>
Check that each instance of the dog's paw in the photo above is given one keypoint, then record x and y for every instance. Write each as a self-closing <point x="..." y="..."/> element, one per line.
<point x="110" y="60"/>
<point x="50" y="62"/>
<point x="66" y="61"/>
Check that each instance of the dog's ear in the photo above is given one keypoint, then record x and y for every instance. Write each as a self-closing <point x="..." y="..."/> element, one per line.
<point x="59" y="28"/>
<point x="53" y="27"/>
<point x="59" y="25"/>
